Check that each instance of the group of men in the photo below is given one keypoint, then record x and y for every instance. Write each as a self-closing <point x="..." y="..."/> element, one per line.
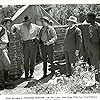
<point x="77" y="42"/>
<point x="45" y="36"/>
<point x="32" y="35"/>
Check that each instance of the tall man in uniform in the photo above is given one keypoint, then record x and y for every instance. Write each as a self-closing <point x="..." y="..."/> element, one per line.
<point x="71" y="44"/>
<point x="29" y="34"/>
<point x="47" y="39"/>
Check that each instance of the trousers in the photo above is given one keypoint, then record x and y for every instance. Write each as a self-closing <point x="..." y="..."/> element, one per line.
<point x="47" y="52"/>
<point x="70" y="58"/>
<point x="30" y="52"/>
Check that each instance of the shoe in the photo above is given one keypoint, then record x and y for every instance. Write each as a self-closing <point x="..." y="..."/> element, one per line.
<point x="68" y="75"/>
<point x="26" y="77"/>
<point x="31" y="76"/>
<point x="1" y="87"/>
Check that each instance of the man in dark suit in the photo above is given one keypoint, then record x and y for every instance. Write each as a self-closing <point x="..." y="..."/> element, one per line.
<point x="71" y="44"/>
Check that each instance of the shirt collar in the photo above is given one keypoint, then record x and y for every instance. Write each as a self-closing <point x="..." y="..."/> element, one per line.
<point x="72" y="26"/>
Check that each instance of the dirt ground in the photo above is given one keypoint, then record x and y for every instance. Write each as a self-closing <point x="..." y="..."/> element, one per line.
<point x="21" y="83"/>
<point x="47" y="85"/>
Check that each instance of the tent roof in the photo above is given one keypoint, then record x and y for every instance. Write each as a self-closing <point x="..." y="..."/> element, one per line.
<point x="35" y="12"/>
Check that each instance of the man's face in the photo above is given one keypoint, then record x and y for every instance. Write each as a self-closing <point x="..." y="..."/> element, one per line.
<point x="8" y="24"/>
<point x="27" y="23"/>
<point x="44" y="23"/>
<point x="90" y="20"/>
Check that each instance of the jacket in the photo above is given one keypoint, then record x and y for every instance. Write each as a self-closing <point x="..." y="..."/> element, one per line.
<point x="72" y="39"/>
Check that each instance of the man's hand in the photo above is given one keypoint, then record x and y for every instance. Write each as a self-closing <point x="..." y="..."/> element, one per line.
<point x="77" y="53"/>
<point x="36" y="40"/>
<point x="47" y="43"/>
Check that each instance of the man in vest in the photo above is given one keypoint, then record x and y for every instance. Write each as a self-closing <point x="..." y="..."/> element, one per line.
<point x="71" y="44"/>
<point x="29" y="33"/>
<point x="4" y="59"/>
<point x="48" y="37"/>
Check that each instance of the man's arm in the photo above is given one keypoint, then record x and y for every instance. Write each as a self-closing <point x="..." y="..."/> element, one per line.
<point x="53" y="35"/>
<point x="2" y="31"/>
<point x="15" y="28"/>
<point x="78" y="41"/>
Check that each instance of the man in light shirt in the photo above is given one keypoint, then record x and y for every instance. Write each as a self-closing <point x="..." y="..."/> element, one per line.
<point x="29" y="34"/>
<point x="47" y="37"/>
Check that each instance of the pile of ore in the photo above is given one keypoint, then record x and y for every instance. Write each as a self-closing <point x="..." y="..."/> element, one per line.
<point x="15" y="55"/>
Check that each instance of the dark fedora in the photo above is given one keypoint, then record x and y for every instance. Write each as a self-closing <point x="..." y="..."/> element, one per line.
<point x="45" y="18"/>
<point x="5" y="20"/>
<point x="27" y="18"/>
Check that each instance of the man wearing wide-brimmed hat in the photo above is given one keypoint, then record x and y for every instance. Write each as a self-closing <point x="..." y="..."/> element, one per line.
<point x="47" y="37"/>
<point x="71" y="43"/>
<point x="4" y="59"/>
<point x="29" y="34"/>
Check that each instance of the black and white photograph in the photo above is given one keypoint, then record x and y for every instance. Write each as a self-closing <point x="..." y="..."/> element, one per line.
<point x="50" y="49"/>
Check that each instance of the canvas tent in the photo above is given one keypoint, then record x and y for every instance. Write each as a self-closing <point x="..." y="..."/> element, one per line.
<point x="35" y="12"/>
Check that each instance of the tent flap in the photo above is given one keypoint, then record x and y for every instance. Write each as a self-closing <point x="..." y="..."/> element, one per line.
<point x="35" y="12"/>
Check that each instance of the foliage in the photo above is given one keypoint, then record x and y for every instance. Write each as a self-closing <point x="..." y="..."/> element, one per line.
<point x="62" y="11"/>
<point x="59" y="11"/>
<point x="9" y="11"/>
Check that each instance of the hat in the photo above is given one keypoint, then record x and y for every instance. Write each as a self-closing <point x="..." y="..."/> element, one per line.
<point x="72" y="19"/>
<point x="26" y="18"/>
<point x="5" y="20"/>
<point x="51" y="21"/>
<point x="45" y="18"/>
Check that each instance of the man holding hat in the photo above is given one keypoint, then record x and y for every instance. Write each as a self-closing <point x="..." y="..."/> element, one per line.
<point x="71" y="44"/>
<point x="29" y="33"/>
<point x="4" y="59"/>
<point x="47" y="37"/>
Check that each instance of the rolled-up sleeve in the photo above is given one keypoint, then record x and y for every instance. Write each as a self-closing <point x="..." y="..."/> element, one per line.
<point x="53" y="35"/>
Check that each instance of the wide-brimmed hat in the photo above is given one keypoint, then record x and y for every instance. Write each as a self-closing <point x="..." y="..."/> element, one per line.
<point x="72" y="19"/>
<point x="5" y="20"/>
<point x="45" y="18"/>
<point x="51" y="21"/>
<point x="27" y="18"/>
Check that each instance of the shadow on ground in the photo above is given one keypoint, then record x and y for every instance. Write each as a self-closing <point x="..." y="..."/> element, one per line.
<point x="34" y="82"/>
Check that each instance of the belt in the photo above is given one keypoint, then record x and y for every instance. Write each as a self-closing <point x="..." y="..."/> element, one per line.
<point x="32" y="40"/>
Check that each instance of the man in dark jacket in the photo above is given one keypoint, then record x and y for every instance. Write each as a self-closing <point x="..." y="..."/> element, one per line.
<point x="71" y="44"/>
<point x="93" y="46"/>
